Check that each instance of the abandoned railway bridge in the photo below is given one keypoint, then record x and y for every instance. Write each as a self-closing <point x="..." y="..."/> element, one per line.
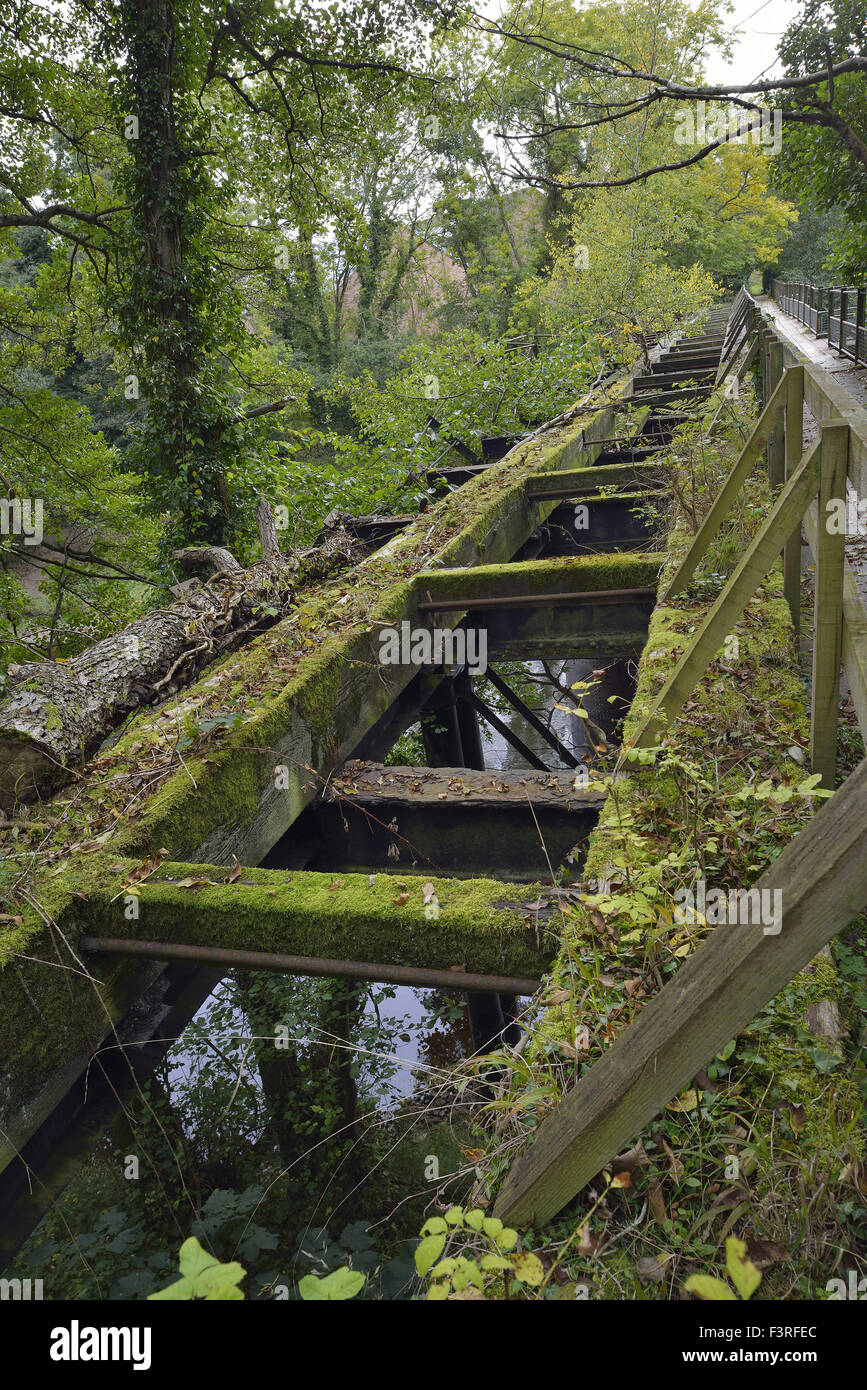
<point x="270" y="844"/>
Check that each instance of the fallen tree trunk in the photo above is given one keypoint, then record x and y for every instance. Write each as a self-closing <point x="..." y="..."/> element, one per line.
<point x="54" y="714"/>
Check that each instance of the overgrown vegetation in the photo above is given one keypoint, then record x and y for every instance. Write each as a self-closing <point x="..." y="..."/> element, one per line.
<point x="315" y="256"/>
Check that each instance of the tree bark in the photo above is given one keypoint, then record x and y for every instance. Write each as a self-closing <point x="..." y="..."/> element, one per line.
<point x="206" y="560"/>
<point x="54" y="714"/>
<point x="267" y="527"/>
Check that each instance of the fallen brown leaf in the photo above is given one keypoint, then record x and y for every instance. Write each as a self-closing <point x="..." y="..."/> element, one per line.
<point x="677" y="1169"/>
<point x="558" y="997"/>
<point x="657" y="1202"/>
<point x="653" y="1267"/>
<point x="587" y="1241"/>
<point x="765" y="1253"/>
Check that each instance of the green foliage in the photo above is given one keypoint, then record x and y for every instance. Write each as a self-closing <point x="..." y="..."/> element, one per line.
<point x="741" y="1270"/>
<point x="202" y="1276"/>
<point x="471" y="386"/>
<point x="808" y="249"/>
<point x="294" y="239"/>
<point x="353" y="1262"/>
<point x="614" y="273"/>
<point x="819" y="162"/>
<point x="488" y="1256"/>
<point x="408" y="750"/>
<point x="337" y="1287"/>
<point x="92" y="573"/>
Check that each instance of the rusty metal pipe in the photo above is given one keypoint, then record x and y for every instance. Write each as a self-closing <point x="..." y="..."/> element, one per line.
<point x="417" y="976"/>
<point x="459" y="605"/>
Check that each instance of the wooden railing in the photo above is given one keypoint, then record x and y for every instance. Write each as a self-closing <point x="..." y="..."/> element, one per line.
<point x="810" y="489"/>
<point x="823" y="871"/>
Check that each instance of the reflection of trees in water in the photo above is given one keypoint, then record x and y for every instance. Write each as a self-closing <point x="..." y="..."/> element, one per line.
<point x="449" y="1041"/>
<point x="544" y="685"/>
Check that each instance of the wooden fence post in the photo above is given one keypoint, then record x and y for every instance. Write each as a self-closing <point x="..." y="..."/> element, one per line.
<point x="828" y="600"/>
<point x="794" y="448"/>
<point x="776" y="447"/>
<point x="732" y="485"/>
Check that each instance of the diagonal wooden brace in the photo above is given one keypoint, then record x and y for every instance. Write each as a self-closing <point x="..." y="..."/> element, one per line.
<point x="785" y="515"/>
<point x="734" y="482"/>
<point x="821" y="877"/>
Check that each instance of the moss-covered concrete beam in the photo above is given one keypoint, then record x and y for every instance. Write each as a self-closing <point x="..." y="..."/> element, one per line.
<point x="553" y="635"/>
<point x="58" y="1008"/>
<point x="580" y="481"/>
<point x="479" y="924"/>
<point x="562" y="575"/>
<point x="306" y="715"/>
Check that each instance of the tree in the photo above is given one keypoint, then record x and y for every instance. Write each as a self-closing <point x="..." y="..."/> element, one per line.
<point x="821" y="90"/>
<point x="138" y="155"/>
<point x="823" y="161"/>
<point x="613" y="276"/>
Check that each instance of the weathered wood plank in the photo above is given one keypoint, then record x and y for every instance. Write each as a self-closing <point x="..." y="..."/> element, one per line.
<point x="828" y="605"/>
<point x="371" y="782"/>
<point x="674" y="378"/>
<point x="776" y="442"/>
<point x="854" y="629"/>
<point x="728" y="492"/>
<point x="741" y="372"/>
<point x="822" y="876"/>
<point x="737" y="332"/>
<point x="673" y="397"/>
<point x="450" y="821"/>
<point x="561" y="575"/>
<point x="757" y="561"/>
<point x="687" y="360"/>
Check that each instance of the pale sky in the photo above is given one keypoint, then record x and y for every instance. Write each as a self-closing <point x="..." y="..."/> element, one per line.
<point x="758" y="24"/>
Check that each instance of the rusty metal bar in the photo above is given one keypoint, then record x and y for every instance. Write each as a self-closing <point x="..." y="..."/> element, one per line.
<point x="627" y="440"/>
<point x="471" y="604"/>
<point x="417" y="976"/>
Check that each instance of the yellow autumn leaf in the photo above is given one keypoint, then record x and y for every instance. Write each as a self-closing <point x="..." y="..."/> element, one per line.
<point x="688" y="1101"/>
<point x="705" y="1286"/>
<point x="741" y="1270"/>
<point x="528" y="1268"/>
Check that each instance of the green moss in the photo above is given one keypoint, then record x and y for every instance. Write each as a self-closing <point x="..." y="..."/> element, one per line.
<point x="611" y="570"/>
<point x="789" y="1063"/>
<point x="53" y="720"/>
<point x="482" y="926"/>
<point x="302" y="676"/>
<point x="50" y="1024"/>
